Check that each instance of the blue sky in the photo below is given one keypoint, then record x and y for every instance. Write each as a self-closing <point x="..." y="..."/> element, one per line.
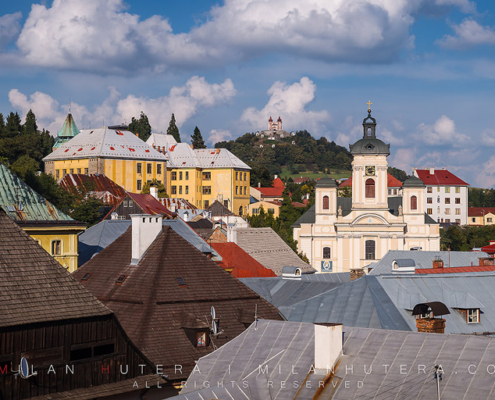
<point x="428" y="66"/>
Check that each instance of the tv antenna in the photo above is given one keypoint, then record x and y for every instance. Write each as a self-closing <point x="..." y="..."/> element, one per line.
<point x="438" y="378"/>
<point x="24" y="369"/>
<point x="256" y="317"/>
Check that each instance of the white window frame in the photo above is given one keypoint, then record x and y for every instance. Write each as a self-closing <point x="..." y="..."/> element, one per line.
<point x="473" y="316"/>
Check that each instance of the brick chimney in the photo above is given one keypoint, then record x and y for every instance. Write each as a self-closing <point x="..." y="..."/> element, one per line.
<point x="145" y="229"/>
<point x="328" y="347"/>
<point x="430" y="325"/>
<point x="437" y="263"/>
<point x="486" y="261"/>
<point x="356" y="273"/>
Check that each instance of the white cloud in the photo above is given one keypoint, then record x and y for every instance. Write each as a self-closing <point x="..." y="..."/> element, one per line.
<point x="102" y="36"/>
<point x="9" y="27"/>
<point x="219" y="135"/>
<point x="488" y="137"/>
<point x="442" y="133"/>
<point x="486" y="177"/>
<point x="468" y="34"/>
<point x="183" y="101"/>
<point x="404" y="159"/>
<point x="289" y="102"/>
<point x="388" y="137"/>
<point x="466" y="6"/>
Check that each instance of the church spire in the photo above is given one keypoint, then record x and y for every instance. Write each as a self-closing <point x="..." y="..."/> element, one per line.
<point x="369" y="124"/>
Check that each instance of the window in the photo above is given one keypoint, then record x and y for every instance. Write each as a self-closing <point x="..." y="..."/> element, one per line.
<point x="447" y="189"/>
<point x="488" y="220"/>
<point x="457" y="211"/>
<point x="174" y="189"/>
<point x="473" y="219"/>
<point x="438" y="188"/>
<point x="180" y="189"/>
<point x="473" y="316"/>
<point x="447" y="211"/>
<point x="370" y="249"/>
<point x="271" y="211"/>
<point x="458" y="189"/>
<point x="64" y="172"/>
<point x="458" y="221"/>
<point x="200" y="339"/>
<point x="79" y="170"/>
<point x="72" y="170"/>
<point x="457" y="200"/>
<point x="237" y="190"/>
<point x="429" y="211"/>
<point x="86" y="171"/>
<point x="57" y="174"/>
<point x="207" y="176"/>
<point x="245" y="176"/>
<point x="173" y="176"/>
<point x="56" y="247"/>
<point x="438" y="199"/>
<point x="124" y="203"/>
<point x="207" y="203"/>
<point x="237" y="176"/>
<point x="447" y="220"/>
<point x="187" y="175"/>
<point x="206" y="189"/>
<point x="414" y="203"/>
<point x="158" y="168"/>
<point x="327" y="253"/>
<point x="429" y="200"/>
<point x="256" y="211"/>
<point x="429" y="189"/>
<point x="245" y="190"/>
<point x="370" y="189"/>
<point x="326" y="203"/>
<point x="447" y="200"/>
<point x="187" y="189"/>
<point x="149" y="168"/>
<point x="138" y="168"/>
<point x="138" y="184"/>
<point x="180" y="175"/>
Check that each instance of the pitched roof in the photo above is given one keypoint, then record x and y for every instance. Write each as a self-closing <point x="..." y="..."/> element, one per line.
<point x="33" y="286"/>
<point x="96" y="183"/>
<point x="240" y="262"/>
<point x="372" y="366"/>
<point x="271" y="191"/>
<point x="182" y="204"/>
<point x="265" y="246"/>
<point x="161" y="140"/>
<point x="182" y="155"/>
<point x="217" y="209"/>
<point x="21" y="203"/>
<point x="480" y="211"/>
<point x="301" y="179"/>
<point x="154" y="306"/>
<point x="440" y="177"/>
<point x="149" y="204"/>
<point x="106" y="143"/>
<point x="68" y="131"/>
<point x="455" y="270"/>
<point x="392" y="182"/>
<point x="278" y="183"/>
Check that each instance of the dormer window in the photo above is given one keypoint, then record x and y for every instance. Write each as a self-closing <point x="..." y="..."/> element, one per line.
<point x="473" y="316"/>
<point x="200" y="339"/>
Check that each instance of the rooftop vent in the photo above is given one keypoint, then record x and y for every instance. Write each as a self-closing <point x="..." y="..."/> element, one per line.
<point x="328" y="347"/>
<point x="145" y="229"/>
<point x="291" y="272"/>
<point x="86" y="276"/>
<point x="438" y="262"/>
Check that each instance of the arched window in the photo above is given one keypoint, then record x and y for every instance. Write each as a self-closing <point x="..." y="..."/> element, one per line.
<point x="370" y="249"/>
<point x="327" y="253"/>
<point x="326" y="203"/>
<point x="370" y="189"/>
<point x="240" y="210"/>
<point x="368" y="132"/>
<point x="414" y="203"/>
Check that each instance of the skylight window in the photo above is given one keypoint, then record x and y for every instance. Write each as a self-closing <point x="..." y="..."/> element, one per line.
<point x="181" y="281"/>
<point x="86" y="276"/>
<point x="121" y="279"/>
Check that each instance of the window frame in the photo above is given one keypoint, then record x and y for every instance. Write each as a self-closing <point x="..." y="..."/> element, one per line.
<point x="139" y="168"/>
<point x="59" y="247"/>
<point x="325" y="203"/>
<point x="370" y="254"/>
<point x="469" y="317"/>
<point x="327" y="253"/>
<point x="370" y="190"/>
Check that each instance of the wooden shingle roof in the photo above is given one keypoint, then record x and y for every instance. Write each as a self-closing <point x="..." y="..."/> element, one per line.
<point x="34" y="287"/>
<point x="155" y="308"/>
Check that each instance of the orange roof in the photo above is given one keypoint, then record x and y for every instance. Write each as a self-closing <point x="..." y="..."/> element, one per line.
<point x="452" y="270"/>
<point x="391" y="182"/>
<point x="241" y="263"/>
<point x="271" y="192"/>
<point x="278" y="183"/>
<point x="480" y="211"/>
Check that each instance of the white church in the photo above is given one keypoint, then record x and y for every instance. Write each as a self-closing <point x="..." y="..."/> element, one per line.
<point x="339" y="234"/>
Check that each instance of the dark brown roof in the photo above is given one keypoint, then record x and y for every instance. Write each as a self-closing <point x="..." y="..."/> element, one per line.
<point x="33" y="286"/>
<point x="205" y="233"/>
<point x="217" y="209"/>
<point x="97" y="183"/>
<point x="154" y="308"/>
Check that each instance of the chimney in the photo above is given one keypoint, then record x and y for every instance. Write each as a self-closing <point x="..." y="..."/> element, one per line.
<point x="259" y="184"/>
<point x="173" y="208"/>
<point x="231" y="233"/>
<point x="276" y="176"/>
<point x="328" y="347"/>
<point x="486" y="261"/>
<point x="432" y="171"/>
<point x="430" y="325"/>
<point x="114" y="215"/>
<point x="437" y="262"/>
<point x="185" y="216"/>
<point x="356" y="273"/>
<point x="154" y="191"/>
<point x="145" y="229"/>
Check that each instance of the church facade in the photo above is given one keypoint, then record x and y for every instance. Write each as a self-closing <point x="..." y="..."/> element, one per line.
<point x="339" y="234"/>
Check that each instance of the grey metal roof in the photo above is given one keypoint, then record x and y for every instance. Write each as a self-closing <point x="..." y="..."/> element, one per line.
<point x="424" y="259"/>
<point x="268" y="248"/>
<point x="307" y="218"/>
<point x="99" y="236"/>
<point x="413" y="181"/>
<point x="370" y="146"/>
<point x="362" y="303"/>
<point x="285" y="292"/>
<point x="326" y="182"/>
<point x="401" y="366"/>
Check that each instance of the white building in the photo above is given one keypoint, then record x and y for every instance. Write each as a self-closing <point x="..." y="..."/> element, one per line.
<point x="446" y="195"/>
<point x="339" y="234"/>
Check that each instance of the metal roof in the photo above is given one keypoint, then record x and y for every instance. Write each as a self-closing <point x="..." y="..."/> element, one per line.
<point x="106" y="143"/>
<point x="376" y="364"/>
<point x="21" y="203"/>
<point x="68" y="131"/>
<point x="440" y="177"/>
<point x="424" y="259"/>
<point x="101" y="235"/>
<point x="181" y="155"/>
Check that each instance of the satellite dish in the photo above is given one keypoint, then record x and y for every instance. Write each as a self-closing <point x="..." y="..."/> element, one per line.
<point x="273" y="146"/>
<point x="213" y="314"/>
<point x="214" y="328"/>
<point x="24" y="369"/>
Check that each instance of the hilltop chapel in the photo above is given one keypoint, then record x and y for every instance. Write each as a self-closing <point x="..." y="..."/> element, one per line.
<point x="340" y="234"/>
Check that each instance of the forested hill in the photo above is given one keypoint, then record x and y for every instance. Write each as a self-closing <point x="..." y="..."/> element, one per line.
<point x="298" y="153"/>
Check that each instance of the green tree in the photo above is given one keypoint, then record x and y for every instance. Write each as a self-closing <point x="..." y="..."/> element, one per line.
<point x="173" y="130"/>
<point x="13" y="126"/>
<point x="162" y="192"/>
<point x="141" y="126"/>
<point x="24" y="166"/>
<point x="397" y="173"/>
<point x="197" y="139"/>
<point x="87" y="210"/>
<point x="30" y="127"/>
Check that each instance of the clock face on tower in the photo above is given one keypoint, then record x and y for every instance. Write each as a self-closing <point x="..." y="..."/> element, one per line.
<point x="370" y="170"/>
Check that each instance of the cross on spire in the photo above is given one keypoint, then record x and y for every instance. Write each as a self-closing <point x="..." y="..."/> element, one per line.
<point x="369" y="105"/>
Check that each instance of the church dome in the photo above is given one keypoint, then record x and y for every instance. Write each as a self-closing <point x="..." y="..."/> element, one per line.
<point x="369" y="144"/>
<point x="413" y="182"/>
<point x="326" y="182"/>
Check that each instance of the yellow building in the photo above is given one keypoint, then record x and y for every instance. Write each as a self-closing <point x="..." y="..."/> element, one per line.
<point x="116" y="153"/>
<point x="52" y="229"/>
<point x="480" y="216"/>
<point x="202" y="176"/>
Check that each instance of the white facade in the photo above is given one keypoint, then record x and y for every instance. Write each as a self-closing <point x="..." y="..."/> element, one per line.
<point x="445" y="203"/>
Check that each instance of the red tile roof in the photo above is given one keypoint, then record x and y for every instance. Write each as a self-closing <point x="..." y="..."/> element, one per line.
<point x="391" y="182"/>
<point x="440" y="177"/>
<point x="149" y="204"/>
<point x="480" y="211"/>
<point x="490" y="249"/>
<point x="452" y="270"/>
<point x="241" y="263"/>
<point x="271" y="192"/>
<point x="301" y="179"/>
<point x="96" y="183"/>
<point x="278" y="183"/>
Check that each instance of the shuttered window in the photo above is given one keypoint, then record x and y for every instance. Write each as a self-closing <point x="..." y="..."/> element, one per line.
<point x="370" y="189"/>
<point x="326" y="203"/>
<point x="414" y="203"/>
